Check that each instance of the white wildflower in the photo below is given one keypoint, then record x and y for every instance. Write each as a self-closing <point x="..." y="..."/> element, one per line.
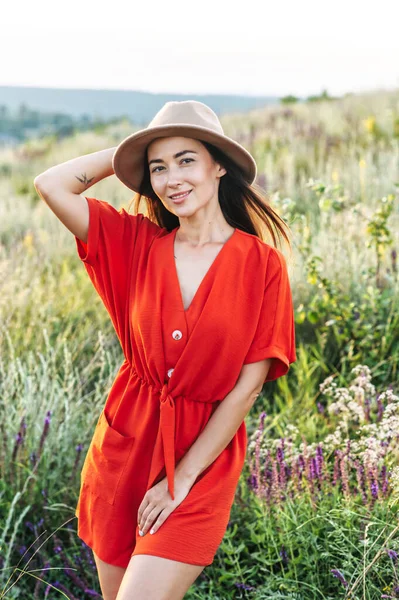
<point x="292" y="430"/>
<point x="393" y="479"/>
<point x="326" y="383"/>
<point x="356" y="411"/>
<point x="358" y="392"/>
<point x="362" y="370"/>
<point x="333" y="440"/>
<point x="388" y="397"/>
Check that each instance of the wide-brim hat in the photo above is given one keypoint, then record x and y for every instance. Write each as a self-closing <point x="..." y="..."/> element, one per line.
<point x="188" y="118"/>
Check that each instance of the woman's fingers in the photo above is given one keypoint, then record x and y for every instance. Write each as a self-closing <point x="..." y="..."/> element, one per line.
<point x="157" y="505"/>
<point x="161" y="519"/>
<point x="148" y="519"/>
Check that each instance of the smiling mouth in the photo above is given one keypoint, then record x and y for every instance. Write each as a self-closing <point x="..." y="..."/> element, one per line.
<point x="180" y="197"/>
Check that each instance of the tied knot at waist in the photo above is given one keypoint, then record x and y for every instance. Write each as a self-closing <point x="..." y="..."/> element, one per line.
<point x="167" y="427"/>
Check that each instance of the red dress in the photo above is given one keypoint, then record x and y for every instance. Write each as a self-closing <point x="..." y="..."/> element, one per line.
<point x="179" y="365"/>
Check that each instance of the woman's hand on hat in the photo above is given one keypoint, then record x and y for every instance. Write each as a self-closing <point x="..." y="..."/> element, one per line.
<point x="157" y="504"/>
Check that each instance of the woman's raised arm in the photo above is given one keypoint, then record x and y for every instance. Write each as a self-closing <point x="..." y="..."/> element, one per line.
<point x="61" y="187"/>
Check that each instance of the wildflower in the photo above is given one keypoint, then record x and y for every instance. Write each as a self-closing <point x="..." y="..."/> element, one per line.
<point x="394" y="479"/>
<point x="338" y="574"/>
<point x="374" y="488"/>
<point x="392" y="554"/>
<point x="28" y="241"/>
<point x="369" y="124"/>
<point x="326" y="383"/>
<point x="284" y="556"/>
<point x="44" y="432"/>
<point x="244" y="586"/>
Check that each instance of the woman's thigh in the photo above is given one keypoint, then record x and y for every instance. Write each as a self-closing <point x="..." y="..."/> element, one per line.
<point x="150" y="577"/>
<point x="110" y="578"/>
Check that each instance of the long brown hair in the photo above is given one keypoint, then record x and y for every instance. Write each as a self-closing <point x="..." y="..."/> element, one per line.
<point x="243" y="205"/>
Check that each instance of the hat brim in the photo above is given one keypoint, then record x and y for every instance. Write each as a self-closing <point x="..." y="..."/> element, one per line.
<point x="128" y="158"/>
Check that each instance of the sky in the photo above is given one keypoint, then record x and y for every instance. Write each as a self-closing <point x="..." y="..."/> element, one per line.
<point x="253" y="47"/>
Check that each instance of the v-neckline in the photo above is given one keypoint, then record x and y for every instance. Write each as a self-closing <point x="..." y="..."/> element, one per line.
<point x="205" y="277"/>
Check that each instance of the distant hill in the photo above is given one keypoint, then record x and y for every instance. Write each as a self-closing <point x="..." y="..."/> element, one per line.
<point x="140" y="107"/>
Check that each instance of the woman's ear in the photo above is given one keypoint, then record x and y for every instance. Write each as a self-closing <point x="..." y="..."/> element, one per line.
<point x="221" y="171"/>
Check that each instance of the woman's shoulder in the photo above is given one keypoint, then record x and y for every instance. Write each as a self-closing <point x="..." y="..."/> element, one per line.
<point x="261" y="257"/>
<point x="144" y="224"/>
<point x="249" y="241"/>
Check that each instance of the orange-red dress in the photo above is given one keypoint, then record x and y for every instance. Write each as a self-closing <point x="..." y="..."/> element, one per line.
<point x="179" y="365"/>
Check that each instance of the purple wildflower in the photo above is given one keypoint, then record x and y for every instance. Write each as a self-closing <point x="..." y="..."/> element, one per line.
<point x="374" y="488"/>
<point x="312" y="468"/>
<point x="243" y="586"/>
<point x="29" y="525"/>
<point x="281" y="470"/>
<point x="39" y="583"/>
<point x="338" y="574"/>
<point x="361" y="480"/>
<point x="275" y="483"/>
<point x="93" y="593"/>
<point x="344" y="474"/>
<point x="252" y="482"/>
<point x="284" y="555"/>
<point x="44" y="433"/>
<point x="392" y="554"/>
<point x="384" y="480"/>
<point x="319" y="461"/>
<point x="335" y="480"/>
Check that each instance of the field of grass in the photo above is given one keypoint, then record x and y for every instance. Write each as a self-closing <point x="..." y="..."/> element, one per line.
<point x="316" y="515"/>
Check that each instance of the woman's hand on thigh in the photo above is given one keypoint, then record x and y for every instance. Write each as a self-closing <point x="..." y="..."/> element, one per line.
<point x="157" y="504"/>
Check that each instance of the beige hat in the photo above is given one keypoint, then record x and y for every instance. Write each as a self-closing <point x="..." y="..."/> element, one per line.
<point x="187" y="118"/>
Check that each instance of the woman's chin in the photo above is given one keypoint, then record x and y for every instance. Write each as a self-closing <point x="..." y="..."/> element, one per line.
<point x="183" y="211"/>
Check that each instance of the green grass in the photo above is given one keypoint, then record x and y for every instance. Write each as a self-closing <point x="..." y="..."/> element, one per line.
<point x="331" y="169"/>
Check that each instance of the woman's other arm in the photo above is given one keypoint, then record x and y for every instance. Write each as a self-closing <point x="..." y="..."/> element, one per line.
<point x="61" y="187"/>
<point x="224" y="422"/>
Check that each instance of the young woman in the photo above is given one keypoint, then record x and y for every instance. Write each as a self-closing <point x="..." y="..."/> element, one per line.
<point x="202" y="307"/>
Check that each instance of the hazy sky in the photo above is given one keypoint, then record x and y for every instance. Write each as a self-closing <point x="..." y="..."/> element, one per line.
<point x="202" y="46"/>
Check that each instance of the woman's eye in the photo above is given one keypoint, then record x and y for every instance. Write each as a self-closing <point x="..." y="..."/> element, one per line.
<point x="190" y="159"/>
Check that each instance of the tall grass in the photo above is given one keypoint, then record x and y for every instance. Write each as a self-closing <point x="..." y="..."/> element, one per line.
<point x="315" y="513"/>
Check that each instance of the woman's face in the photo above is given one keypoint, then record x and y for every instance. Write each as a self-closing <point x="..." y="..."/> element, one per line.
<point x="180" y="164"/>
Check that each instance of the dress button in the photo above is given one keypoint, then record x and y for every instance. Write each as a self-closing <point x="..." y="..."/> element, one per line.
<point x="170" y="372"/>
<point x="177" y="334"/>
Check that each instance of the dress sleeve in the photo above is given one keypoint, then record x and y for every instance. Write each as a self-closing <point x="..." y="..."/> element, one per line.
<point x="115" y="240"/>
<point x="275" y="332"/>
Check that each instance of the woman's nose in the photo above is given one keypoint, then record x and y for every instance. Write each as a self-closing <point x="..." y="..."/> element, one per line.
<point x="174" y="181"/>
<point x="174" y="176"/>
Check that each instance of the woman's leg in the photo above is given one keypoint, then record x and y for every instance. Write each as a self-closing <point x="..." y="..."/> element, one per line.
<point x="110" y="578"/>
<point x="150" y="577"/>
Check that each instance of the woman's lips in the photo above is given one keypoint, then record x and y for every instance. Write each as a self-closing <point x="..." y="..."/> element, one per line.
<point x="180" y="200"/>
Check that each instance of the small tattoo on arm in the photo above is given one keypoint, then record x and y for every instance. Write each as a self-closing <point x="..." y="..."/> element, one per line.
<point x="84" y="179"/>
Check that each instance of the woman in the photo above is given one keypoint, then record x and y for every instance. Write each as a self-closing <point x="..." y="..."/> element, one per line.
<point x="202" y="308"/>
